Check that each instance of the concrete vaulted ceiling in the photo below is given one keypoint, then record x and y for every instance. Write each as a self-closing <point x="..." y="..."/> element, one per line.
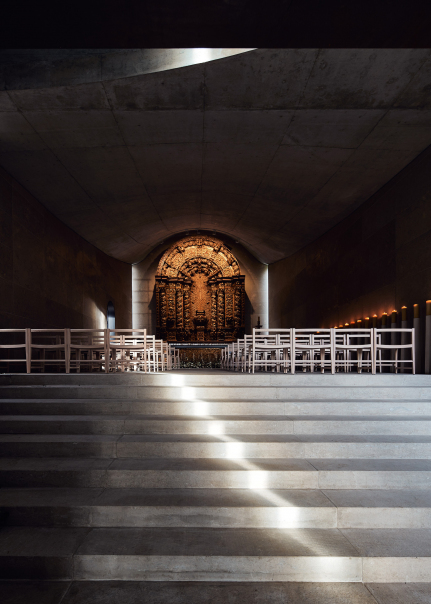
<point x="272" y="147"/>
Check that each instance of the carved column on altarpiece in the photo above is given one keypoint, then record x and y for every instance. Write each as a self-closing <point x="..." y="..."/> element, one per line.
<point x="213" y="324"/>
<point x="171" y="306"/>
<point x="239" y="307"/>
<point x="163" y="307"/>
<point x="228" y="310"/>
<point x="220" y="308"/>
<point x="158" y="308"/>
<point x="186" y="300"/>
<point x="179" y="307"/>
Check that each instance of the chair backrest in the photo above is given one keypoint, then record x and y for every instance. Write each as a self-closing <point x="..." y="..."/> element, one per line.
<point x="49" y="338"/>
<point x="127" y="337"/>
<point x="285" y="337"/>
<point x="312" y="338"/>
<point x="14" y="345"/>
<point x="394" y="334"/>
<point x="264" y="337"/>
<point x="13" y="338"/>
<point x="94" y="338"/>
<point x="353" y="337"/>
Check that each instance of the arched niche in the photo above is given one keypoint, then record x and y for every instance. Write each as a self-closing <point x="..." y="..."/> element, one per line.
<point x="200" y="293"/>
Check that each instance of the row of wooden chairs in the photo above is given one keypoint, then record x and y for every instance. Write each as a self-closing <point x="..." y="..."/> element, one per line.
<point x="324" y="350"/>
<point x="78" y="350"/>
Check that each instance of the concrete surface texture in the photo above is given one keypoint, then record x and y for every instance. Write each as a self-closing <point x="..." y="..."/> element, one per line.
<point x="210" y="486"/>
<point x="375" y="260"/>
<point x="49" y="275"/>
<point x="271" y="147"/>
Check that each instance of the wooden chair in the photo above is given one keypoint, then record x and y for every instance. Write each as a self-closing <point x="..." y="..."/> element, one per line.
<point x="248" y="352"/>
<point x="127" y="349"/>
<point x="173" y="357"/>
<point x="310" y="349"/>
<point x="380" y="346"/>
<point x="52" y="346"/>
<point x="151" y="354"/>
<point x="226" y="357"/>
<point x="353" y="347"/>
<point x="15" y="340"/>
<point x="89" y="349"/>
<point x="237" y="354"/>
<point x="271" y="349"/>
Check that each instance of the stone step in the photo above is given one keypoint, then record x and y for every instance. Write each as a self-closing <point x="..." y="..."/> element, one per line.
<point x="219" y="393"/>
<point x="216" y="425"/>
<point x="59" y="445"/>
<point x="224" y="446"/>
<point x="279" y="446"/>
<point x="198" y="554"/>
<point x="215" y="508"/>
<point x="214" y="377"/>
<point x="201" y="476"/>
<point x="201" y="408"/>
<point x="173" y="473"/>
<point x="216" y="592"/>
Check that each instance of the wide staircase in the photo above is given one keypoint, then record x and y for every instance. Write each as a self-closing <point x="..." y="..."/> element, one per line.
<point x="195" y="486"/>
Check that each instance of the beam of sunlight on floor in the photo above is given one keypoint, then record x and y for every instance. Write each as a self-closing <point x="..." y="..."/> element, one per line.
<point x="188" y="393"/>
<point x="285" y="514"/>
<point x="200" y="408"/>
<point x="216" y="428"/>
<point x="234" y="450"/>
<point x="257" y="479"/>
<point x="287" y="517"/>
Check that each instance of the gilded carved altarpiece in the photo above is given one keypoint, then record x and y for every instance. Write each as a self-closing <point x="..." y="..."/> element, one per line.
<point x="200" y="293"/>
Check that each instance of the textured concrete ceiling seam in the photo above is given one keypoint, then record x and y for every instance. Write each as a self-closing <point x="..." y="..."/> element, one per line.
<point x="332" y="176"/>
<point x="204" y="92"/>
<point x="300" y="96"/>
<point x="400" y="94"/>
<point x="386" y="112"/>
<point x="92" y="201"/>
<point x="134" y="163"/>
